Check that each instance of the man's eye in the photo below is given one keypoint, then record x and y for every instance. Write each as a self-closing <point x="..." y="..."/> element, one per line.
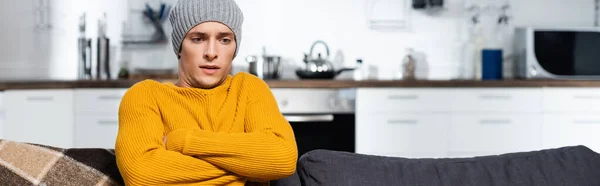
<point x="197" y="39"/>
<point x="225" y="40"/>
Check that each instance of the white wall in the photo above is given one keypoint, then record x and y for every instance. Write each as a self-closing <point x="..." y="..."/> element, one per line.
<point x="289" y="27"/>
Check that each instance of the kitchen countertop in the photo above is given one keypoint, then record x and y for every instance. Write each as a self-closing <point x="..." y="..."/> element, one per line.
<point x="57" y="84"/>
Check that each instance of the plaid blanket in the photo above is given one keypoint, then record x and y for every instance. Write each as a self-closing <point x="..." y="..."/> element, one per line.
<point x="34" y="164"/>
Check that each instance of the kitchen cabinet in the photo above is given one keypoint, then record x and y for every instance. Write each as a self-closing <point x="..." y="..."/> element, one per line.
<point x="491" y="134"/>
<point x="96" y="131"/>
<point x="403" y="122"/>
<point x="571" y="100"/>
<point x="497" y="100"/>
<point x="447" y="122"/>
<point x="96" y="117"/>
<point x="571" y="117"/>
<point x="2" y="115"/>
<point x="406" y="100"/>
<point x="403" y="135"/>
<point x="570" y="130"/>
<point x="39" y="116"/>
<point x="98" y="101"/>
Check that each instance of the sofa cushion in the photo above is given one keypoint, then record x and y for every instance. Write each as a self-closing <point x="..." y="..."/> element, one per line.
<point x="577" y="165"/>
<point x="33" y="164"/>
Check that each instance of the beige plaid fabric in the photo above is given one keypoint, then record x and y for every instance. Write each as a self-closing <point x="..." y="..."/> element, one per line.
<point x="32" y="164"/>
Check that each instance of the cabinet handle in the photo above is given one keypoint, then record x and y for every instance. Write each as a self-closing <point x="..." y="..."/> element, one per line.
<point x="587" y="122"/>
<point x="403" y="122"/>
<point x="495" y="122"/>
<point x="403" y="97"/>
<point x="309" y="118"/>
<point x="109" y="97"/>
<point x="495" y="97"/>
<point x="40" y="98"/>
<point x="586" y="97"/>
<point x="108" y="122"/>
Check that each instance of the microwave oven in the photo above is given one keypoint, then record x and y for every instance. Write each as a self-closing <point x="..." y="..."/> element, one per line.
<point x="557" y="53"/>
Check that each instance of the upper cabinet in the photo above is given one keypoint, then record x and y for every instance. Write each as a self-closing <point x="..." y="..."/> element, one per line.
<point x="46" y="28"/>
<point x="27" y="35"/>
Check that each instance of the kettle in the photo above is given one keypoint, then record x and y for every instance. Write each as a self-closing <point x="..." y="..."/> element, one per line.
<point x="320" y="67"/>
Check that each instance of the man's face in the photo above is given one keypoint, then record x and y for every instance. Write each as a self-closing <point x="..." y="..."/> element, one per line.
<point x="206" y="55"/>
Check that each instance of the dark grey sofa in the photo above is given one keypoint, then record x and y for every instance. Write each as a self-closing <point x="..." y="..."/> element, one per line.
<point x="32" y="164"/>
<point x="568" y="166"/>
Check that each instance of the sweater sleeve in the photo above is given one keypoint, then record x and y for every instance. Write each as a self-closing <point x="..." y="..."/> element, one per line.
<point x="140" y="153"/>
<point x="266" y="151"/>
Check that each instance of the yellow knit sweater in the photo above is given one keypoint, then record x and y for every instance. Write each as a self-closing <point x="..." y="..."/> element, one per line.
<point x="228" y="135"/>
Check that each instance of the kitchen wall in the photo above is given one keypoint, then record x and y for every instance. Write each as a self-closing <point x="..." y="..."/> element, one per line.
<point x="288" y="28"/>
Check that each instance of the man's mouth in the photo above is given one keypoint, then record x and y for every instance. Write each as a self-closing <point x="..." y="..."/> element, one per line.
<point x="209" y="69"/>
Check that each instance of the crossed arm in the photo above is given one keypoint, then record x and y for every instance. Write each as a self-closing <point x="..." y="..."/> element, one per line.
<point x="266" y="151"/>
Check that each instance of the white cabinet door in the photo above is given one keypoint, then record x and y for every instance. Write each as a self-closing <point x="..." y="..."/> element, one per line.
<point x="561" y="130"/>
<point x="40" y="116"/>
<point x="100" y="101"/>
<point x="491" y="134"/>
<point x="413" y="100"/>
<point x="572" y="100"/>
<point x="497" y="100"/>
<point x="96" y="117"/>
<point x="2" y="115"/>
<point x="96" y="131"/>
<point x="402" y="135"/>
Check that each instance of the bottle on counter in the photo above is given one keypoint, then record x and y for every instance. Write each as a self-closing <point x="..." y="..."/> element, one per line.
<point x="359" y="71"/>
<point x="408" y="65"/>
<point x="103" y="51"/>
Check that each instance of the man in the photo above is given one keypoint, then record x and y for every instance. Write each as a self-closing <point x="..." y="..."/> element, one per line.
<point x="208" y="128"/>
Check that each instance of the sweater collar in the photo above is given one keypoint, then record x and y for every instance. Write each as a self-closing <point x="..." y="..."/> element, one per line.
<point x="223" y="87"/>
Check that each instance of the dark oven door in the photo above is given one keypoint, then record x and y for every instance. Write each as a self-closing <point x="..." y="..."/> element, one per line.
<point x="323" y="131"/>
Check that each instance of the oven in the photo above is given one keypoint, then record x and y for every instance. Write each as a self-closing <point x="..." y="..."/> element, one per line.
<point x="321" y="118"/>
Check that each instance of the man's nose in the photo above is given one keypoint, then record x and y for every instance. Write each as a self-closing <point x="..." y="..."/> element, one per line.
<point x="211" y="52"/>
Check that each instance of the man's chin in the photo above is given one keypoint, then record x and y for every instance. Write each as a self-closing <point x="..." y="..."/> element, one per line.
<point x="207" y="83"/>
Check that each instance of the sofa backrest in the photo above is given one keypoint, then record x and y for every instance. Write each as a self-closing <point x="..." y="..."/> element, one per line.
<point x="577" y="165"/>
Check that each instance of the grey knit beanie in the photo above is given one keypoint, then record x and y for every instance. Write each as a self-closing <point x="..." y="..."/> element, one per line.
<point x="188" y="13"/>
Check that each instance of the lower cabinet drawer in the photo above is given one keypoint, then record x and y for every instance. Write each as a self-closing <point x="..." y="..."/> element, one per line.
<point x="96" y="130"/>
<point x="403" y="135"/>
<point x="571" y="130"/>
<point x="490" y="134"/>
